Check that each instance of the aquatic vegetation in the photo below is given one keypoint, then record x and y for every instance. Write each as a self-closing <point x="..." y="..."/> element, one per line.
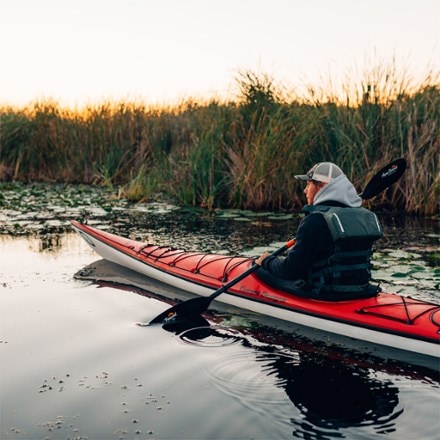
<point x="241" y="153"/>
<point x="409" y="272"/>
<point x="37" y="208"/>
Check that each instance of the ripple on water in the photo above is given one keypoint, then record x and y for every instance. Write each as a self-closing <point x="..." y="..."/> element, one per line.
<point x="213" y="336"/>
<point x="252" y="379"/>
<point x="250" y="376"/>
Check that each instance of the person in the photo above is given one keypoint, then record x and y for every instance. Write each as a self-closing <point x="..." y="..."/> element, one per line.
<point x="331" y="258"/>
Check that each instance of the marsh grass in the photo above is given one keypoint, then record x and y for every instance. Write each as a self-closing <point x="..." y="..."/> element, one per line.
<point x="241" y="153"/>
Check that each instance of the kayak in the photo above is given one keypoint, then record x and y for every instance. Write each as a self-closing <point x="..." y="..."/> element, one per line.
<point x="388" y="319"/>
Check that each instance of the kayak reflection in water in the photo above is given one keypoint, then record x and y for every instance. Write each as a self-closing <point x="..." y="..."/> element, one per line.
<point x="333" y="246"/>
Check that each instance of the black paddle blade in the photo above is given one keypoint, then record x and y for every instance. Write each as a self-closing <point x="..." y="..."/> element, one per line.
<point x="384" y="178"/>
<point x="178" y="326"/>
<point x="191" y="307"/>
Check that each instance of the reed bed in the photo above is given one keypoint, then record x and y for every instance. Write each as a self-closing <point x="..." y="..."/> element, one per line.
<point x="241" y="153"/>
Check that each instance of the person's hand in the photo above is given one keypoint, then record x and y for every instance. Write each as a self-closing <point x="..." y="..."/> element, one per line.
<point x="260" y="259"/>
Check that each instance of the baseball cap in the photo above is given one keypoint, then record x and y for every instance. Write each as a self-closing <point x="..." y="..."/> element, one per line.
<point x="321" y="172"/>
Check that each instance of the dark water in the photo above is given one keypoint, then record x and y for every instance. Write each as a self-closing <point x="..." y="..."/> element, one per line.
<point x="75" y="364"/>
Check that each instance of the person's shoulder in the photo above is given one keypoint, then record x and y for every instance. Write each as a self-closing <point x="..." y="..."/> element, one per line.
<point x="313" y="219"/>
<point x="313" y="230"/>
<point x="314" y="223"/>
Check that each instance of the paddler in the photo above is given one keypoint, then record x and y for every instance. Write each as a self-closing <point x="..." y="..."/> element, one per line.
<point x="333" y="246"/>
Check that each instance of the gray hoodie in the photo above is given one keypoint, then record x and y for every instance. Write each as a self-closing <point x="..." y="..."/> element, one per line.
<point x="339" y="190"/>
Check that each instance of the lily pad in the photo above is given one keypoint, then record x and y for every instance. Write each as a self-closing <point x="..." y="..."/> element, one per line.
<point x="241" y="219"/>
<point x="281" y="217"/>
<point x="400" y="275"/>
<point x="403" y="255"/>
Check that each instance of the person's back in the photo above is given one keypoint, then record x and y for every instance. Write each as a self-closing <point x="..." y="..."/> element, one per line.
<point x="331" y="256"/>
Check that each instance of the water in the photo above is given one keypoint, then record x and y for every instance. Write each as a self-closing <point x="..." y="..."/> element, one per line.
<point x="75" y="364"/>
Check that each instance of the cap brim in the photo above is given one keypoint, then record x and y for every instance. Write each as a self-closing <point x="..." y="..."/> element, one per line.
<point x="302" y="177"/>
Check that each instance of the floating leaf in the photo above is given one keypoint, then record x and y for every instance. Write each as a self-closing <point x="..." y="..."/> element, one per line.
<point x="241" y="219"/>
<point x="403" y="255"/>
<point x="280" y="217"/>
<point x="399" y="275"/>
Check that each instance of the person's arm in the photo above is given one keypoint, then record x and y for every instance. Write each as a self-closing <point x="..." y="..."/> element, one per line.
<point x="309" y="240"/>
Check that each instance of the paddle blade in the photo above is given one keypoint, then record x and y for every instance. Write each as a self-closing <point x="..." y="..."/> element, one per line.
<point x="384" y="178"/>
<point x="191" y="307"/>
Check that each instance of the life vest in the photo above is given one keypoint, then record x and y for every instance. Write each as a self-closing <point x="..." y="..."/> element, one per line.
<point x="348" y="270"/>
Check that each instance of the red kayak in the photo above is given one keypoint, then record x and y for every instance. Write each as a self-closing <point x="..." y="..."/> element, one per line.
<point x="389" y="319"/>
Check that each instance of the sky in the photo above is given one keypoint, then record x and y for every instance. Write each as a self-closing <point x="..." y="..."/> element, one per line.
<point x="161" y="51"/>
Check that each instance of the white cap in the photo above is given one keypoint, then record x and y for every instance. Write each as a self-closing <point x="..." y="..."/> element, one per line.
<point x="321" y="172"/>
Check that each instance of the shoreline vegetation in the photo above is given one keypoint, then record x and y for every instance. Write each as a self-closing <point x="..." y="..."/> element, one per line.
<point x="241" y="153"/>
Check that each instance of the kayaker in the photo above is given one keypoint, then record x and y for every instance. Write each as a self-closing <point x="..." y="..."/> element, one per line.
<point x="333" y="244"/>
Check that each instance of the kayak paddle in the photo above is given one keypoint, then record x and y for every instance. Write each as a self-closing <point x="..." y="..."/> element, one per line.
<point x="384" y="178"/>
<point x="196" y="306"/>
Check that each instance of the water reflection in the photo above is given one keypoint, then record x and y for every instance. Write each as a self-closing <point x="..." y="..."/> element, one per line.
<point x="50" y="242"/>
<point x="330" y="395"/>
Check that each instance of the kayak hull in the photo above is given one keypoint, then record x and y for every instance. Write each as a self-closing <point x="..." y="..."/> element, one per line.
<point x="388" y="319"/>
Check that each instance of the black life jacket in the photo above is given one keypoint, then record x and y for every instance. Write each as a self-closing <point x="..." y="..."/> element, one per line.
<point x="347" y="272"/>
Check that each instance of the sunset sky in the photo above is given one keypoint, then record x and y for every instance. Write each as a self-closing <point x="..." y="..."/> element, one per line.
<point x="81" y="51"/>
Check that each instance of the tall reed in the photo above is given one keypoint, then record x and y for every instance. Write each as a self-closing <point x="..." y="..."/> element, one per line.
<point x="240" y="153"/>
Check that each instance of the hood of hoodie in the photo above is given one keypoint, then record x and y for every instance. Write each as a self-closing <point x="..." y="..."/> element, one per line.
<point x="339" y="190"/>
